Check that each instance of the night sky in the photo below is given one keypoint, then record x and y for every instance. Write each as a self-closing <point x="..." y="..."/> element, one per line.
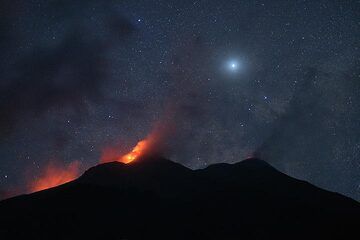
<point x="275" y="79"/>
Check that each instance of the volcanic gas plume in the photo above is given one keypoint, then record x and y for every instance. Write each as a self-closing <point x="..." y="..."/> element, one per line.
<point x="54" y="175"/>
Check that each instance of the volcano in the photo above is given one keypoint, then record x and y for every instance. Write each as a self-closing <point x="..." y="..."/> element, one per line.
<point x="155" y="198"/>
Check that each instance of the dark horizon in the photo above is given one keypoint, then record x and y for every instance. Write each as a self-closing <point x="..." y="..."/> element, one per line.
<point x="155" y="198"/>
<point x="147" y="159"/>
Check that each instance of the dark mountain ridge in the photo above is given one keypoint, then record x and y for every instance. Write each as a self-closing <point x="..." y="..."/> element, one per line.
<point x="155" y="198"/>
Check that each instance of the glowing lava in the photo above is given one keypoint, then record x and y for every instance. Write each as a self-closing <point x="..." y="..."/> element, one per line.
<point x="136" y="152"/>
<point x="110" y="154"/>
<point x="153" y="144"/>
<point x="55" y="175"/>
<point x="144" y="147"/>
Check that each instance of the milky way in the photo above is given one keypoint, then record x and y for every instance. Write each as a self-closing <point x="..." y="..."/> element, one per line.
<point x="78" y="76"/>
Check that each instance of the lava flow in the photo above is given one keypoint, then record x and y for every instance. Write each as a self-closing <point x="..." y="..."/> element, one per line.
<point x="142" y="148"/>
<point x="136" y="152"/>
<point x="152" y="144"/>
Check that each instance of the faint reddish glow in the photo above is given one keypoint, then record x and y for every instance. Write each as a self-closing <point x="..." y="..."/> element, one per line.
<point x="55" y="175"/>
<point x="110" y="154"/>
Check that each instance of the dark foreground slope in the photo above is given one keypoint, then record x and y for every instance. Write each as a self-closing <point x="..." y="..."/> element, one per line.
<point x="160" y="199"/>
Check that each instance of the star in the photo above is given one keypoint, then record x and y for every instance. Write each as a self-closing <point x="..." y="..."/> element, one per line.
<point x="233" y="65"/>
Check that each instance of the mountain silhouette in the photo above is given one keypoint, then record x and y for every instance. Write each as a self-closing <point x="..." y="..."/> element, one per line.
<point x="155" y="198"/>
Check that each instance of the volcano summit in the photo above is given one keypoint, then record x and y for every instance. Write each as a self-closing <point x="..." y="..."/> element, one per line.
<point x="156" y="198"/>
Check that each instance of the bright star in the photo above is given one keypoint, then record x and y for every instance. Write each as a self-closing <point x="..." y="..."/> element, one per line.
<point x="233" y="65"/>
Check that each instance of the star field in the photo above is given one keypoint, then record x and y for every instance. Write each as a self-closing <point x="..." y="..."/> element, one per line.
<point x="278" y="80"/>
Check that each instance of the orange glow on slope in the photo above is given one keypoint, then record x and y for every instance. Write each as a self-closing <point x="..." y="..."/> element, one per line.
<point x="55" y="175"/>
<point x="139" y="150"/>
<point x="153" y="144"/>
<point x="150" y="145"/>
<point x="142" y="148"/>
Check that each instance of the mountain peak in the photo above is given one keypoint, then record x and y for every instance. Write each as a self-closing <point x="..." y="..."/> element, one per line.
<point x="249" y="199"/>
<point x="254" y="162"/>
<point x="145" y="168"/>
